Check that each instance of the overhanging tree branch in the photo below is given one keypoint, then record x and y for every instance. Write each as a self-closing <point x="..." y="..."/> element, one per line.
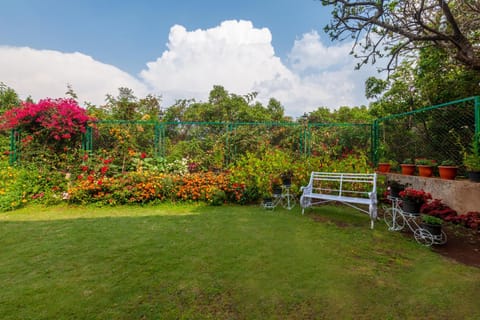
<point x="399" y="27"/>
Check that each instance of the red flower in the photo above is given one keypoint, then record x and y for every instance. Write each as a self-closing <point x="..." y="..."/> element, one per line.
<point x="411" y="194"/>
<point x="104" y="169"/>
<point x="143" y="155"/>
<point x="84" y="168"/>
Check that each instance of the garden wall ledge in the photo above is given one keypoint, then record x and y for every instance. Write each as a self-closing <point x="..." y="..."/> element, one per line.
<point x="461" y="195"/>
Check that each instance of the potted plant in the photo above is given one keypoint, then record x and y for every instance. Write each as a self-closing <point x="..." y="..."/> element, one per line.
<point x="394" y="188"/>
<point x="408" y="167"/>
<point x="276" y="186"/>
<point x="425" y="167"/>
<point x="472" y="164"/>
<point x="267" y="201"/>
<point x="412" y="200"/>
<point x="448" y="170"/>
<point x="384" y="165"/>
<point x="432" y="224"/>
<point x="287" y="178"/>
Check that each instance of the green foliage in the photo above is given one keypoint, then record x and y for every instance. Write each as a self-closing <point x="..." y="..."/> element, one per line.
<point x="425" y="162"/>
<point x="428" y="219"/>
<point x="262" y="170"/>
<point x="21" y="185"/>
<point x="8" y="98"/>
<point x="472" y="162"/>
<point x="223" y="106"/>
<point x="448" y="163"/>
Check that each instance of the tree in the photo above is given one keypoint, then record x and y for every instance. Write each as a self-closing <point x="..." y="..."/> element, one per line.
<point x="400" y="27"/>
<point x="8" y="98"/>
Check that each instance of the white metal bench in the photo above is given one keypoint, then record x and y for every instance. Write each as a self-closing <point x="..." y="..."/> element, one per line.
<point x="351" y="189"/>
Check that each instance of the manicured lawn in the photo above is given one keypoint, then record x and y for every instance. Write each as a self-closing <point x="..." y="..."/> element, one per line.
<point x="229" y="262"/>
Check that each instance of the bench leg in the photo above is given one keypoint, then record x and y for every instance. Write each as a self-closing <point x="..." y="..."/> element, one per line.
<point x="372" y="224"/>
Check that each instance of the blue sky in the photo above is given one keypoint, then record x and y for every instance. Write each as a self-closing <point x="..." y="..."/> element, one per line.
<point x="178" y="49"/>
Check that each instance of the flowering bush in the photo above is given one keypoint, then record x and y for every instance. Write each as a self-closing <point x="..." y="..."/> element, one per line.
<point x="145" y="187"/>
<point x="418" y="196"/>
<point x="52" y="119"/>
<point x="438" y="209"/>
<point x="49" y="132"/>
<point x="470" y="220"/>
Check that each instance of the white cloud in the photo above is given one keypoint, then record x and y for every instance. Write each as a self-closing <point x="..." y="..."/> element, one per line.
<point x="46" y="73"/>
<point x="241" y="58"/>
<point x="309" y="54"/>
<point x="234" y="54"/>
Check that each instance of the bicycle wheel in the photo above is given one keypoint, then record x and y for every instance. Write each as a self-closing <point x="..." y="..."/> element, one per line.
<point x="288" y="201"/>
<point x="423" y="236"/>
<point x="394" y="219"/>
<point x="440" y="239"/>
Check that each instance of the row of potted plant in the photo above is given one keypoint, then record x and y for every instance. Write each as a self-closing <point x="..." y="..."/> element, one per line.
<point x="447" y="169"/>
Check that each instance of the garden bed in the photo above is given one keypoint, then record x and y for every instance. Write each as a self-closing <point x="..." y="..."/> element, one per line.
<point x="463" y="245"/>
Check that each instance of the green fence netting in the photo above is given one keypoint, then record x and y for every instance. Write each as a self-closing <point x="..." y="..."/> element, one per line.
<point x="440" y="132"/>
<point x="220" y="143"/>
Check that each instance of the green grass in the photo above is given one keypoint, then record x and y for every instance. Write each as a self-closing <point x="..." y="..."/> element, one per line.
<point x="229" y="262"/>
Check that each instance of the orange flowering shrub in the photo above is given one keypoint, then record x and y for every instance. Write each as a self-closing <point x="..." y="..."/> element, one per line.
<point x="145" y="187"/>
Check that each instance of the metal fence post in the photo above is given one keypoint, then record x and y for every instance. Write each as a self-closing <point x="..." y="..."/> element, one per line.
<point x="87" y="140"/>
<point x="13" y="155"/>
<point x="477" y="125"/>
<point x="374" y="147"/>
<point x="159" y="140"/>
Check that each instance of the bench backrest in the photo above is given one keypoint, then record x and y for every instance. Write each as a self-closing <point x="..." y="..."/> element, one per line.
<point x="343" y="184"/>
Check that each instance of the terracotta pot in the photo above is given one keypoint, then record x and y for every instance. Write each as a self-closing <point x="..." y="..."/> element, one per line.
<point x="447" y="172"/>
<point x="425" y="171"/>
<point x="408" y="169"/>
<point x="384" y="167"/>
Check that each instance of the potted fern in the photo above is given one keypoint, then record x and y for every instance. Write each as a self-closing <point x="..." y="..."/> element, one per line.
<point x="432" y="224"/>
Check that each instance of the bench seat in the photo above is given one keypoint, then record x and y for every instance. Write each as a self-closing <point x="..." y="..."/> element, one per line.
<point x="348" y="188"/>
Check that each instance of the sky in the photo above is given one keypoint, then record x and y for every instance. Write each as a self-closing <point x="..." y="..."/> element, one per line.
<point x="178" y="49"/>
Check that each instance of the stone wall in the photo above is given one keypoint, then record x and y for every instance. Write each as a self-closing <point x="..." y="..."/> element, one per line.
<point x="461" y="195"/>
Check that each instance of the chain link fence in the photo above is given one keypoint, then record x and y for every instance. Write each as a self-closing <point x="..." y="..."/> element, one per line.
<point x="216" y="144"/>
<point x="441" y="132"/>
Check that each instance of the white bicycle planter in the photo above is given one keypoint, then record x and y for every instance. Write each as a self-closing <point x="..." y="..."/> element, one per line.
<point x="396" y="220"/>
<point x="284" y="198"/>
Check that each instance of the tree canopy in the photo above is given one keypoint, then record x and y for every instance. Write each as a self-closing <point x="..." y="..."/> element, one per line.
<point x="398" y="28"/>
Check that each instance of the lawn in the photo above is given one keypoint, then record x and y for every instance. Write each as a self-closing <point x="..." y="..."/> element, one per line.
<point x="228" y="262"/>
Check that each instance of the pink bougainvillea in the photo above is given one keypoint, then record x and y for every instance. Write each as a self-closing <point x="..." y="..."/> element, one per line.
<point x="58" y="119"/>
